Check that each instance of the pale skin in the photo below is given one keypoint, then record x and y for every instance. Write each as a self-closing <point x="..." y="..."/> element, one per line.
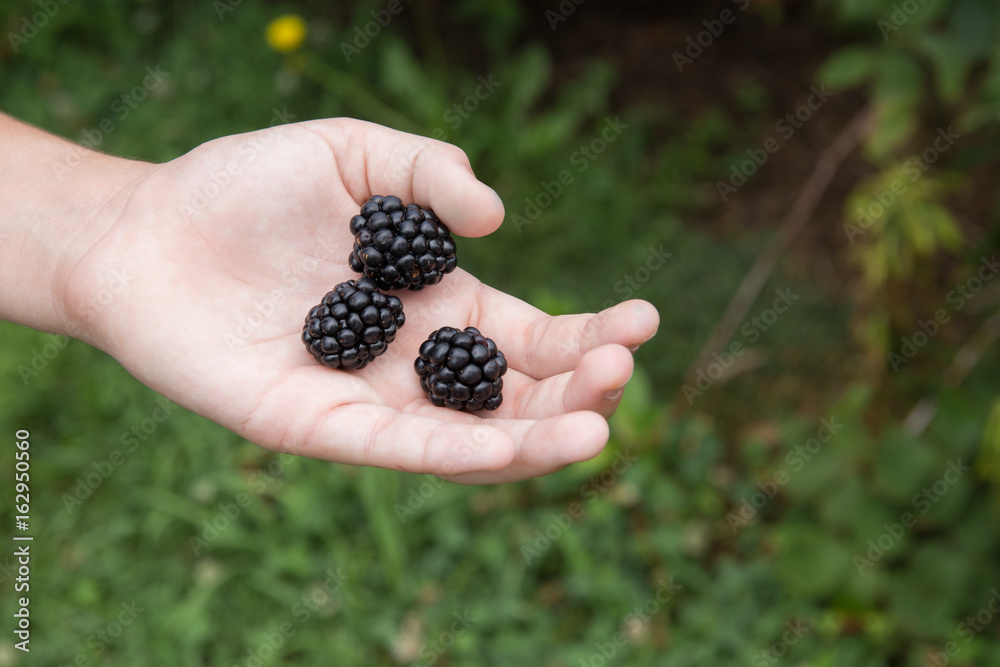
<point x="196" y="276"/>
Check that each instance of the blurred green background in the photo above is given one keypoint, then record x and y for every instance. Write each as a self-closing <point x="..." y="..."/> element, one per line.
<point x="827" y="495"/>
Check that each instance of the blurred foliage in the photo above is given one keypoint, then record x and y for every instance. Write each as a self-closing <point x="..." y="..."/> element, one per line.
<point x="782" y="531"/>
<point x="933" y="81"/>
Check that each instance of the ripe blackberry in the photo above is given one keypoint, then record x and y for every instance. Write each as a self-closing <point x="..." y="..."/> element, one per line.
<point x="461" y="370"/>
<point x="352" y="325"/>
<point x="400" y="247"/>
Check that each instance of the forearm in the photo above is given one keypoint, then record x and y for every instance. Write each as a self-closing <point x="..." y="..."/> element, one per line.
<point x="56" y="200"/>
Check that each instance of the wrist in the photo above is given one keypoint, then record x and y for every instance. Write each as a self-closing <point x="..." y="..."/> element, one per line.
<point x="57" y="200"/>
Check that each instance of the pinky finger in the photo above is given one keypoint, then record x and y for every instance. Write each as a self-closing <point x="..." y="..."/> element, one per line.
<point x="546" y="446"/>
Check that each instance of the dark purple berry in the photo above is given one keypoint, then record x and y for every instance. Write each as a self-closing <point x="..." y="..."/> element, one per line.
<point x="400" y="247"/>
<point x="352" y="325"/>
<point x="461" y="370"/>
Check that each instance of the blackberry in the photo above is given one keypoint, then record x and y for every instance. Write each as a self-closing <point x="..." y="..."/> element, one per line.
<point x="352" y="325"/>
<point x="461" y="370"/>
<point x="400" y="247"/>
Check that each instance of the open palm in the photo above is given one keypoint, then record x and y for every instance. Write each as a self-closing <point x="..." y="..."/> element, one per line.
<point x="219" y="254"/>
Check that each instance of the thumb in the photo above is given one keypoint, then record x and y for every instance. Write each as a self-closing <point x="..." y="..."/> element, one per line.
<point x="376" y="160"/>
<point x="443" y="177"/>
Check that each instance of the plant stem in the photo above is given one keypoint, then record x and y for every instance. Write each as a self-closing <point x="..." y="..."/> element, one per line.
<point x="357" y="95"/>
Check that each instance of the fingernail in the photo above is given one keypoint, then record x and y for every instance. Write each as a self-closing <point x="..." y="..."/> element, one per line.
<point x="634" y="349"/>
<point x="615" y="394"/>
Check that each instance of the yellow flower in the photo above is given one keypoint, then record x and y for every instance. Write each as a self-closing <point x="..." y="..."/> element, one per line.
<point x="286" y="33"/>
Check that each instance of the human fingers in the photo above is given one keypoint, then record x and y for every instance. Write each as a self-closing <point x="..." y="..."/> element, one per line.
<point x="545" y="446"/>
<point x="373" y="159"/>
<point x="596" y="384"/>
<point x="541" y="345"/>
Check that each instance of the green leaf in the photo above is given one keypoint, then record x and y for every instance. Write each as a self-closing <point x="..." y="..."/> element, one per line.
<point x="919" y="222"/>
<point x="900" y="80"/>
<point x="950" y="60"/>
<point x="935" y="571"/>
<point x="403" y="79"/>
<point x="902" y="464"/>
<point x="988" y="461"/>
<point x="812" y="563"/>
<point x="896" y="122"/>
<point x="975" y="22"/>
<point x="529" y="77"/>
<point x="848" y="67"/>
<point x="942" y="225"/>
<point x="377" y="500"/>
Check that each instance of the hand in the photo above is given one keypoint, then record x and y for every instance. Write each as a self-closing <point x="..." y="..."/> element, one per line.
<point x="218" y="255"/>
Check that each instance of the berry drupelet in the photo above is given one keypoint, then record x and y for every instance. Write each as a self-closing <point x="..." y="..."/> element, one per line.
<point x="353" y="324"/>
<point x="461" y="370"/>
<point x="400" y="247"/>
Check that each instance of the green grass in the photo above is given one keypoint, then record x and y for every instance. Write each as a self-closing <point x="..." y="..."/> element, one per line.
<point x="237" y="556"/>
